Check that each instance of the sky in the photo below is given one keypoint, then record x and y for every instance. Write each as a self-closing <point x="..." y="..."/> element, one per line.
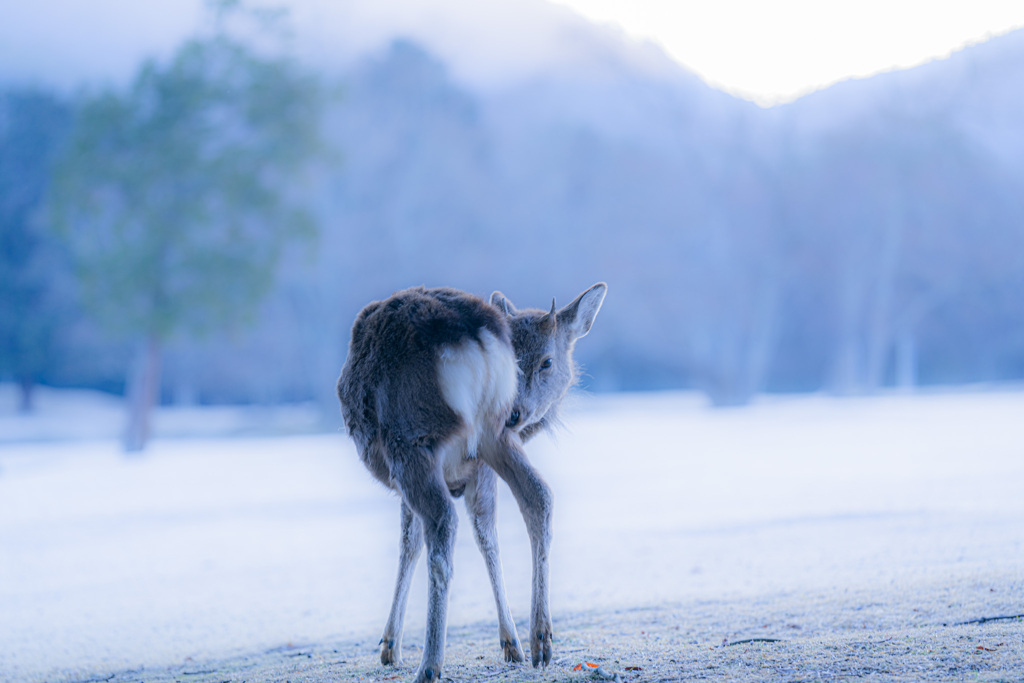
<point x="773" y="51"/>
<point x="769" y="52"/>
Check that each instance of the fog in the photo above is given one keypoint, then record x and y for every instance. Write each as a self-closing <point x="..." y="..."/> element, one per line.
<point x="67" y="43"/>
<point x="806" y="372"/>
<point x="864" y="237"/>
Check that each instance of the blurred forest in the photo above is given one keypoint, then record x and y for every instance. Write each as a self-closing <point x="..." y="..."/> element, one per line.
<point x="870" y="235"/>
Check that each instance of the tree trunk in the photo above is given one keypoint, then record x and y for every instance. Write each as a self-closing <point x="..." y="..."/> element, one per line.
<point x="906" y="361"/>
<point x="25" y="393"/>
<point x="143" y="390"/>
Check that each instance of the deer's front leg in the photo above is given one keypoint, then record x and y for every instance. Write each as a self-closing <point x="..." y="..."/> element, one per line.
<point x="481" y="497"/>
<point x="411" y="544"/>
<point x="533" y="495"/>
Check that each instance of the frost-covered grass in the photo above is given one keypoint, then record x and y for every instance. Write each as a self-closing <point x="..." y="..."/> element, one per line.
<point x="65" y="414"/>
<point x="208" y="547"/>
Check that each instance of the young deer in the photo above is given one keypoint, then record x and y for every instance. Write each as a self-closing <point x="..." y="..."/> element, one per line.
<point x="439" y="392"/>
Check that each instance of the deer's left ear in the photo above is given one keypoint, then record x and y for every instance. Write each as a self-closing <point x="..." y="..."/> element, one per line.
<point x="579" y="315"/>
<point x="499" y="301"/>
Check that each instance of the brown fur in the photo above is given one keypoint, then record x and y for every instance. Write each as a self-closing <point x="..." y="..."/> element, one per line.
<point x="513" y="368"/>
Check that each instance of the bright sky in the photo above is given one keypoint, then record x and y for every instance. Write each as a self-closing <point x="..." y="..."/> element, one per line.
<point x="774" y="50"/>
<point x="769" y="51"/>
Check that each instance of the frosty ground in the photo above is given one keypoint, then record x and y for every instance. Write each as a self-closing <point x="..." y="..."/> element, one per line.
<point x="849" y="536"/>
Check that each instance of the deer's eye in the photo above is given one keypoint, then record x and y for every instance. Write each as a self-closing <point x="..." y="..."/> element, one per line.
<point x="545" y="364"/>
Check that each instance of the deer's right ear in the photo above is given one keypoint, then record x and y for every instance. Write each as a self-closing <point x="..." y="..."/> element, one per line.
<point x="579" y="315"/>
<point x="499" y="301"/>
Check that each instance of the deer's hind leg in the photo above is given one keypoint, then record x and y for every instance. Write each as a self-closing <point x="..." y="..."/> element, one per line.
<point x="411" y="544"/>
<point x="481" y="498"/>
<point x="417" y="473"/>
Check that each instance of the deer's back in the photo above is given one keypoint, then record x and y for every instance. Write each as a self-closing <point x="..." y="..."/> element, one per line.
<point x="426" y="368"/>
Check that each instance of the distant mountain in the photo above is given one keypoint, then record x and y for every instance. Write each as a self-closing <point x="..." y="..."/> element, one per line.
<point x="868" y="235"/>
<point x="489" y="45"/>
<point x="841" y="241"/>
<point x="978" y="90"/>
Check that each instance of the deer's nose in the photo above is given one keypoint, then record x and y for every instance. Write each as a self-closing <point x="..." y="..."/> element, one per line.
<point x="513" y="419"/>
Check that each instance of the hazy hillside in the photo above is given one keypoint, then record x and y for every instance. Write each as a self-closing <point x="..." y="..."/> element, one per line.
<point x="870" y="234"/>
<point x="978" y="88"/>
<point x="816" y="245"/>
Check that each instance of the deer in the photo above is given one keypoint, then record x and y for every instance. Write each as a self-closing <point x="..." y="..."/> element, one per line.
<point x="440" y="391"/>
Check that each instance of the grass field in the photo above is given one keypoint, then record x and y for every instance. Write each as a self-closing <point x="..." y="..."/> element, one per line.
<point x="844" y="538"/>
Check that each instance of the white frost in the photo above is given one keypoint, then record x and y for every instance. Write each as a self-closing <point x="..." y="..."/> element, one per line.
<point x="205" y="546"/>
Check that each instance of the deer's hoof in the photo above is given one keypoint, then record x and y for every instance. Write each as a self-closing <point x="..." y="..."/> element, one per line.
<point x="540" y="645"/>
<point x="390" y="652"/>
<point x="426" y="674"/>
<point x="513" y="650"/>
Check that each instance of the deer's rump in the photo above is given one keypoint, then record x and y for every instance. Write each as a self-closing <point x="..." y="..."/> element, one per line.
<point x="433" y="369"/>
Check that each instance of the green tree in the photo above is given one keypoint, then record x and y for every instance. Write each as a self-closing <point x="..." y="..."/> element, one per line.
<point x="177" y="196"/>
<point x="32" y="125"/>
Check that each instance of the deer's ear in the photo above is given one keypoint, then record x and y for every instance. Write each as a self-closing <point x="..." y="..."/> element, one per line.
<point x="579" y="316"/>
<point x="499" y="301"/>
